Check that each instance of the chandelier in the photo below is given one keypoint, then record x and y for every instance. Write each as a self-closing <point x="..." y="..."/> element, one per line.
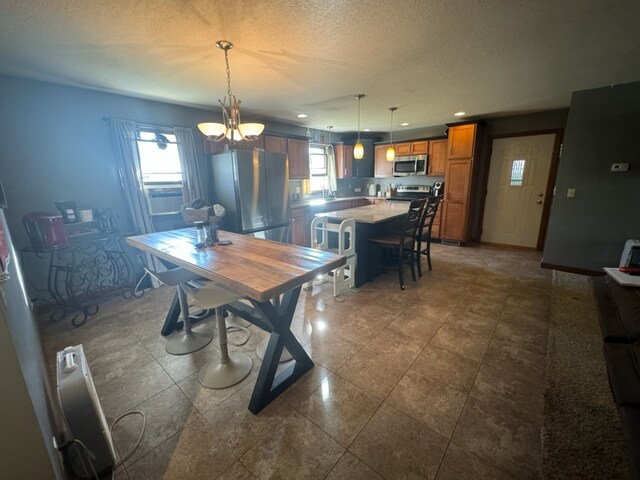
<point x="231" y="128"/>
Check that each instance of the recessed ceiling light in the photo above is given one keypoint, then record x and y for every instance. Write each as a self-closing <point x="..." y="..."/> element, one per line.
<point x="302" y="115"/>
<point x="460" y="114"/>
<point x="366" y="130"/>
<point x="405" y="124"/>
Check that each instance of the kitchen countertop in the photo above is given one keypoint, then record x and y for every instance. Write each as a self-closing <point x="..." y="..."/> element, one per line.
<point x="316" y="201"/>
<point x="370" y="213"/>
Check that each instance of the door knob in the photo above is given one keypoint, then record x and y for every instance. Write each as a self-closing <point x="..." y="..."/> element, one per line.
<point x="540" y="194"/>
<point x="539" y="202"/>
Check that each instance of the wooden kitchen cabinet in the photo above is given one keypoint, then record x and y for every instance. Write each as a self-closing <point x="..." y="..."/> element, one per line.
<point x="299" y="226"/>
<point x="462" y="139"/>
<point x="437" y="221"/>
<point x="344" y="161"/>
<point x="437" y="157"/>
<point x="298" y="151"/>
<point x="459" y="182"/>
<point x="412" y="148"/>
<point x="275" y="144"/>
<point x="382" y="167"/>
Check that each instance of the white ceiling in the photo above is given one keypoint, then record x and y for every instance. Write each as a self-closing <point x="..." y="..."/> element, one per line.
<point x="430" y="58"/>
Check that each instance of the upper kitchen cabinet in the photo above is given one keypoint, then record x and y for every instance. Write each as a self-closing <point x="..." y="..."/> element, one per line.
<point x="383" y="168"/>
<point x="275" y="144"/>
<point x="298" y="151"/>
<point x="462" y="140"/>
<point x="412" y="148"/>
<point x="437" y="157"/>
<point x="363" y="168"/>
<point x="344" y="160"/>
<point x="459" y="182"/>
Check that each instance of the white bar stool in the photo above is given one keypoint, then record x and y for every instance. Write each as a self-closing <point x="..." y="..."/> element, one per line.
<point x="186" y="341"/>
<point x="232" y="367"/>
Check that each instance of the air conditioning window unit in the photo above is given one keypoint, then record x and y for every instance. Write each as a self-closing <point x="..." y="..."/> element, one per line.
<point x="83" y="414"/>
<point x="164" y="198"/>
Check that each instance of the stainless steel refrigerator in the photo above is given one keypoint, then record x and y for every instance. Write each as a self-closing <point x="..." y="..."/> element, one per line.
<point x="253" y="187"/>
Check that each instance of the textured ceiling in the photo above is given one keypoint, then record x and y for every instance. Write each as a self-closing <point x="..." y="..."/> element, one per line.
<point x="429" y="58"/>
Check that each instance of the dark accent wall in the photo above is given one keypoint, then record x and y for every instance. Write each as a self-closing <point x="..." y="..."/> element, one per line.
<point x="57" y="146"/>
<point x="588" y="232"/>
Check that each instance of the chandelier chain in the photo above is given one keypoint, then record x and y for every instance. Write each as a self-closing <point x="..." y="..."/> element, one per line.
<point x="226" y="61"/>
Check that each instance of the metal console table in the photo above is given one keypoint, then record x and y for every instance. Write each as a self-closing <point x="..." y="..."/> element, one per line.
<point x="92" y="267"/>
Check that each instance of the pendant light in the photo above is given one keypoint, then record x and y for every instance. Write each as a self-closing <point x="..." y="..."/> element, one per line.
<point x="358" y="149"/>
<point x="391" y="152"/>
<point x="231" y="128"/>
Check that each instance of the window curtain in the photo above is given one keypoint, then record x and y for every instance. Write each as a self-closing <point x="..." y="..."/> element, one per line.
<point x="123" y="136"/>
<point x="331" y="168"/>
<point x="192" y="174"/>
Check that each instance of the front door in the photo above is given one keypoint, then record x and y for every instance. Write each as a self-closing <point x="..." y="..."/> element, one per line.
<point x="518" y="175"/>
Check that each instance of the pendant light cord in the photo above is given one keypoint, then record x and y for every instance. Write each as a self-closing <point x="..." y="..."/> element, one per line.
<point x="359" y="118"/>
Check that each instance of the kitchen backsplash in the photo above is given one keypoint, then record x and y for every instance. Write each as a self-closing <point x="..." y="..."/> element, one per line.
<point x="348" y="187"/>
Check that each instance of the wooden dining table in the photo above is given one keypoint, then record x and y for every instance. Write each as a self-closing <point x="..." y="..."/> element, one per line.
<point x="269" y="274"/>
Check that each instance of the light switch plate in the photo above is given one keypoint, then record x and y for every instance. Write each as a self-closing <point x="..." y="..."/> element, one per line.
<point x="571" y="192"/>
<point x="619" y="167"/>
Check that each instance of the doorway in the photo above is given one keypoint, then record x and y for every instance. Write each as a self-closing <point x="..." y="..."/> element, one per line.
<point x="519" y="186"/>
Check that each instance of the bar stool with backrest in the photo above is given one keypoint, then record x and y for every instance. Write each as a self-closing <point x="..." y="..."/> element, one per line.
<point x="186" y="341"/>
<point x="423" y="245"/>
<point x="402" y="243"/>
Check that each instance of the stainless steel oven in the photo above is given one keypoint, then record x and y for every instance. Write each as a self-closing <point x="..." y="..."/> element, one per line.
<point x="411" y="192"/>
<point x="413" y="165"/>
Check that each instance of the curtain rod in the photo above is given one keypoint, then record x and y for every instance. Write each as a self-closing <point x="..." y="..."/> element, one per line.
<point x="144" y="124"/>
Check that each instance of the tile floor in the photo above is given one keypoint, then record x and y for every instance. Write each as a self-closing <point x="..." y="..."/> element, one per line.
<point x="444" y="380"/>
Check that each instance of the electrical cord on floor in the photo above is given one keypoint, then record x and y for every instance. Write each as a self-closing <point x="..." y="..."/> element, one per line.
<point x="238" y="328"/>
<point x="137" y="444"/>
<point x="137" y="287"/>
<point x="230" y="328"/>
<point x="90" y="455"/>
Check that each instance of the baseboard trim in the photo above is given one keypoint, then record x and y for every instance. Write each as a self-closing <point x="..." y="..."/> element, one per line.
<point x="565" y="268"/>
<point x="504" y="245"/>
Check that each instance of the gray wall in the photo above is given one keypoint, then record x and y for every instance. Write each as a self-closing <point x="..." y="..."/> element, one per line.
<point x="588" y="232"/>
<point x="56" y="145"/>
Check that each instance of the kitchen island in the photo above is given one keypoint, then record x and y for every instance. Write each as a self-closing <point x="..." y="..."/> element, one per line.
<point x="370" y="221"/>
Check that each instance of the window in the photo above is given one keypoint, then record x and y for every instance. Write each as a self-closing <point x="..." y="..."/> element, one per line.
<point x="517" y="173"/>
<point x="159" y="160"/>
<point x="318" y="169"/>
<point x="161" y="171"/>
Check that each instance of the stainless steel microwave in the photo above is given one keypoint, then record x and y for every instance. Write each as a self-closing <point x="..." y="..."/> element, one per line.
<point x="413" y="165"/>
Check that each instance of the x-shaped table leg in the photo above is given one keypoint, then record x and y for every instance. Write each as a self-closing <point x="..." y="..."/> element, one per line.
<point x="275" y="317"/>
